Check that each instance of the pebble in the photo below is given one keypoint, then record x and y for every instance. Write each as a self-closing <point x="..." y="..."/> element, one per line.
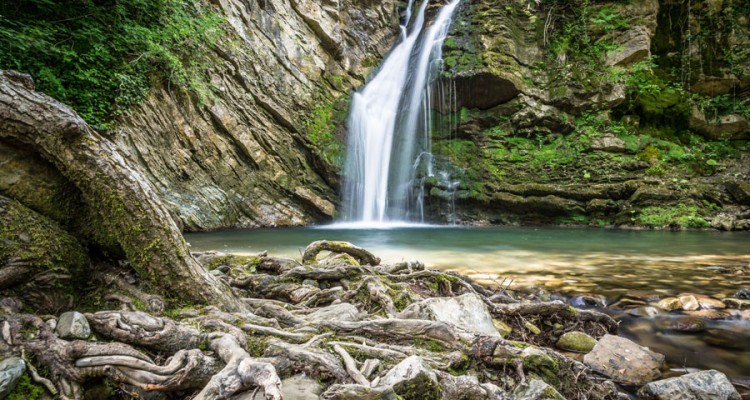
<point x="737" y="303"/>
<point x="689" y="303"/>
<point x="743" y="294"/>
<point x="709" y="314"/>
<point x="73" y="325"/>
<point x="669" y="304"/>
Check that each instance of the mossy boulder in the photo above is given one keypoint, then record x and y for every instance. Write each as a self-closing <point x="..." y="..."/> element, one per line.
<point x="576" y="341"/>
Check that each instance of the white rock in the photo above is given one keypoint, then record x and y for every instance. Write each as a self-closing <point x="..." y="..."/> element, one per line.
<point x="703" y="385"/>
<point x="467" y="312"/>
<point x="335" y="312"/>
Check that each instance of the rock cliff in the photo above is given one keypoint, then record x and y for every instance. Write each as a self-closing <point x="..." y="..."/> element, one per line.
<point x="599" y="113"/>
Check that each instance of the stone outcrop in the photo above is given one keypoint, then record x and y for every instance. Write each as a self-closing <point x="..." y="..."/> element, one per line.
<point x="249" y="157"/>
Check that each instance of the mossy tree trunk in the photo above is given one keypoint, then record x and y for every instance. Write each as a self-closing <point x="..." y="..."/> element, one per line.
<point x="127" y="204"/>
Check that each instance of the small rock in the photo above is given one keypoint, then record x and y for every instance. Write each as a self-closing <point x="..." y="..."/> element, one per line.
<point x="687" y="324"/>
<point x="413" y="379"/>
<point x="703" y="385"/>
<point x="609" y="143"/>
<point x="739" y="304"/>
<point x="624" y="360"/>
<point x="536" y="389"/>
<point x="576" y="341"/>
<point x="709" y="314"/>
<point x="689" y="303"/>
<point x="300" y="387"/>
<point x="11" y="370"/>
<point x="586" y="302"/>
<point x="73" y="325"/>
<point x="467" y="312"/>
<point x="645" y="311"/>
<point x="669" y="304"/>
<point x="502" y="328"/>
<point x="710" y="303"/>
<point x="743" y="294"/>
<point x="335" y="312"/>
<point x="532" y="328"/>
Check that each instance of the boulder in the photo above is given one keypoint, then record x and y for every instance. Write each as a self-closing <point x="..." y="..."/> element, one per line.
<point x="412" y="379"/>
<point x="621" y="359"/>
<point x="703" y="385"/>
<point x="336" y="312"/>
<point x="576" y="341"/>
<point x="467" y="312"/>
<point x="11" y="370"/>
<point x="536" y="389"/>
<point x="732" y="126"/>
<point x="73" y="325"/>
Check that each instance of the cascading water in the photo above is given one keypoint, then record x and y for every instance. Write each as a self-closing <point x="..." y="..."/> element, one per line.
<point x="390" y="125"/>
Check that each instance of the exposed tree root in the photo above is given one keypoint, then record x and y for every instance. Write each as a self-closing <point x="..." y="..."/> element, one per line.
<point x="213" y="354"/>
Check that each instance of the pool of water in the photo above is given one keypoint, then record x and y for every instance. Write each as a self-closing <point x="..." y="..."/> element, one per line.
<point x="570" y="261"/>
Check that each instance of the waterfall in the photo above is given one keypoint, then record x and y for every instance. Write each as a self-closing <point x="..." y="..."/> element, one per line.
<point x="389" y="126"/>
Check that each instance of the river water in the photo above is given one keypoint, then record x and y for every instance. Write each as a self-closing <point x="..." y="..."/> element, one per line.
<point x="603" y="263"/>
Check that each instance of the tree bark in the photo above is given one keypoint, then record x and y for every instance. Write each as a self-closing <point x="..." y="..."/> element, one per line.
<point x="126" y="202"/>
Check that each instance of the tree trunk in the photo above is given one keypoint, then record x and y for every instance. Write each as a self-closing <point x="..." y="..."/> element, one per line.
<point x="126" y="202"/>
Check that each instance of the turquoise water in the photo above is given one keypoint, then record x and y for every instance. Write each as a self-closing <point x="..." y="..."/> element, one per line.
<point x="570" y="260"/>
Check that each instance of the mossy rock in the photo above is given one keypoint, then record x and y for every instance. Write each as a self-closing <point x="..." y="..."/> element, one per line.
<point x="576" y="341"/>
<point x="43" y="246"/>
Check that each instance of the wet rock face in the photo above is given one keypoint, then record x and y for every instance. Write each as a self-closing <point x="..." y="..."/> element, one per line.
<point x="253" y="156"/>
<point x="703" y="385"/>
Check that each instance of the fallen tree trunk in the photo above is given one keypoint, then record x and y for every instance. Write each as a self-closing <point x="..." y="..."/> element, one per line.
<point x="127" y="204"/>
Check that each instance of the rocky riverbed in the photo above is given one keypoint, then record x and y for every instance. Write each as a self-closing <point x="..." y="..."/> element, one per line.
<point x="346" y="327"/>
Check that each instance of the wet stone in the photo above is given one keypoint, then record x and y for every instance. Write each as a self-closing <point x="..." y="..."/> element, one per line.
<point x="669" y="304"/>
<point x="687" y="324"/>
<point x="689" y="303"/>
<point x="703" y="385"/>
<point x="743" y="294"/>
<point x="586" y="302"/>
<point x="645" y="311"/>
<point x="73" y="325"/>
<point x="11" y="370"/>
<point x="709" y="314"/>
<point x="737" y="303"/>
<point x="710" y="303"/>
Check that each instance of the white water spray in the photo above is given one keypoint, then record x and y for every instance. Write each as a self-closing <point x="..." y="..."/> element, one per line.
<point x="389" y="125"/>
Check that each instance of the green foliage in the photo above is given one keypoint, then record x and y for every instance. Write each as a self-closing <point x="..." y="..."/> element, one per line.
<point x="26" y="390"/>
<point x="99" y="56"/>
<point x="320" y="129"/>
<point x="715" y="107"/>
<point x="680" y="215"/>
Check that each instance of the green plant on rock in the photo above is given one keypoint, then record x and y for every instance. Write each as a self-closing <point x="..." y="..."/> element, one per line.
<point x="681" y="215"/>
<point x="26" y="390"/>
<point x="320" y="130"/>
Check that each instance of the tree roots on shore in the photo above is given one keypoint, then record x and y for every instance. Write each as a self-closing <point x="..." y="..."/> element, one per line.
<point x="290" y="327"/>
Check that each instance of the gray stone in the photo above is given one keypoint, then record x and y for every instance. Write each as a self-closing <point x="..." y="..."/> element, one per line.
<point x="11" y="370"/>
<point x="609" y="143"/>
<point x="73" y="325"/>
<point x="624" y="360"/>
<point x="732" y="126"/>
<point x="300" y="387"/>
<point x="335" y="312"/>
<point x="467" y="312"/>
<point x="536" y="389"/>
<point x="703" y="385"/>
<point x="413" y="379"/>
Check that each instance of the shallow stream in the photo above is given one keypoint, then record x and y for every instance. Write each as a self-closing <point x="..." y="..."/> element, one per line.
<point x="605" y="264"/>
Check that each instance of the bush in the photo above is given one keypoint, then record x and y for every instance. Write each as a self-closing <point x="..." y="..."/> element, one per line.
<point x="99" y="56"/>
